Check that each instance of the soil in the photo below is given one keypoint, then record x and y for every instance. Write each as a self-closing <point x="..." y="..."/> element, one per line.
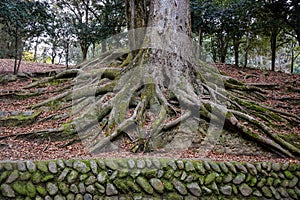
<point x="282" y="93"/>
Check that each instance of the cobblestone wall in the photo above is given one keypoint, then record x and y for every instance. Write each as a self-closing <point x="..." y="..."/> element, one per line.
<point x="148" y="179"/>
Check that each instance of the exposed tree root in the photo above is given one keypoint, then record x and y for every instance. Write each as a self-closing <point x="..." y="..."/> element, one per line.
<point x="65" y="74"/>
<point x="144" y="103"/>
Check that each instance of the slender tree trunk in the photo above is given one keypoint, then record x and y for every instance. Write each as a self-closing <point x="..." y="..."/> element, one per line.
<point x="223" y="44"/>
<point x="200" y="43"/>
<point x="292" y="62"/>
<point x="236" y="44"/>
<point x="297" y="29"/>
<point x="35" y="50"/>
<point x="273" y="48"/>
<point x="67" y="54"/>
<point x="103" y="46"/>
<point x="53" y="54"/>
<point x="84" y="50"/>
<point x="16" y="50"/>
<point x="246" y="50"/>
<point x="93" y="50"/>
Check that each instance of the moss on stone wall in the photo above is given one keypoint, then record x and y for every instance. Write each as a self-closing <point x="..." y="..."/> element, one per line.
<point x="144" y="178"/>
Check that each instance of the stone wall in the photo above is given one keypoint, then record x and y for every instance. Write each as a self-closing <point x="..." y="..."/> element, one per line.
<point x="148" y="179"/>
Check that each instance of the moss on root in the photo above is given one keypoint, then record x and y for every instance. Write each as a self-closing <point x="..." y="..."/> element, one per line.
<point x="19" y="119"/>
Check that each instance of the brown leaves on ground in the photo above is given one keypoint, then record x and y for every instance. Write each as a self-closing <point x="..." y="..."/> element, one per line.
<point x="7" y="66"/>
<point x="52" y="148"/>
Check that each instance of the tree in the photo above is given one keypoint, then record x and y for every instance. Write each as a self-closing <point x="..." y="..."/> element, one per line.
<point x="164" y="96"/>
<point x="92" y="21"/>
<point x="169" y="71"/>
<point x="23" y="20"/>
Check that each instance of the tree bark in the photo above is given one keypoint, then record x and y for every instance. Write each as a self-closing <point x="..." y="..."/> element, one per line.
<point x="236" y="44"/>
<point x="136" y="13"/>
<point x="273" y="40"/>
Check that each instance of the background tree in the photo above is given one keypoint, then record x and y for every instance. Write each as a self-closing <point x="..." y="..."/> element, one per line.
<point x="23" y="20"/>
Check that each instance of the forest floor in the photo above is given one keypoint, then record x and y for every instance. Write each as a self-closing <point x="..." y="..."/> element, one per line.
<point x="283" y="92"/>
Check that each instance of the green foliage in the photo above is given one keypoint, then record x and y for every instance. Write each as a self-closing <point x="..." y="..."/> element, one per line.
<point x="246" y="27"/>
<point x="89" y="22"/>
<point x="22" y="20"/>
<point x="28" y="56"/>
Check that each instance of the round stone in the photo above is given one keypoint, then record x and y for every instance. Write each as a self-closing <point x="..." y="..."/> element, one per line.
<point x="7" y="191"/>
<point x="194" y="188"/>
<point x="31" y="166"/>
<point x="226" y="190"/>
<point x="140" y="164"/>
<point x="52" y="167"/>
<point x="157" y="185"/>
<point x="179" y="187"/>
<point x="81" y="167"/>
<point x="245" y="190"/>
<point x="239" y="179"/>
<point x="111" y="190"/>
<point x="52" y="189"/>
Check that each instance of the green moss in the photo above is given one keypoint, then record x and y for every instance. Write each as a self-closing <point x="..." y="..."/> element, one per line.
<point x="57" y="82"/>
<point x="252" y="180"/>
<point x="121" y="185"/>
<point x="261" y="183"/>
<point x="42" y="166"/>
<point x="63" y="187"/>
<point x="133" y="186"/>
<point x="83" y="177"/>
<point x="20" y="187"/>
<point x="294" y="167"/>
<point x="210" y="178"/>
<point x="31" y="191"/>
<point x="168" y="186"/>
<point x="47" y="178"/>
<point x="269" y="181"/>
<point x="169" y="174"/>
<point x="143" y="183"/>
<point x="19" y="119"/>
<point x="4" y="175"/>
<point x="123" y="173"/>
<point x="24" y="176"/>
<point x="173" y="196"/>
<point x="36" y="178"/>
<point x="276" y="117"/>
<point x="277" y="182"/>
<point x="41" y="190"/>
<point x="292" y="138"/>
<point x="288" y="174"/>
<point x="149" y="173"/>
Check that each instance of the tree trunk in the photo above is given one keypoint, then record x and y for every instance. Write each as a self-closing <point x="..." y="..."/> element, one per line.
<point x="67" y="54"/>
<point x="223" y="44"/>
<point x="200" y="38"/>
<point x="236" y="44"/>
<point x="35" y="50"/>
<point x="273" y="50"/>
<point x="246" y="50"/>
<point x="292" y="61"/>
<point x="103" y="46"/>
<point x="273" y="40"/>
<point x="16" y="51"/>
<point x="84" y="50"/>
<point x="53" y="54"/>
